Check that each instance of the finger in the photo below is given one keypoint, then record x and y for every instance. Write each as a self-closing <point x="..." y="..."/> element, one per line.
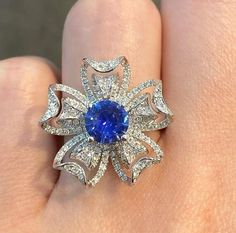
<point x="104" y="30"/>
<point x="199" y="71"/>
<point x="143" y="50"/>
<point x="26" y="175"/>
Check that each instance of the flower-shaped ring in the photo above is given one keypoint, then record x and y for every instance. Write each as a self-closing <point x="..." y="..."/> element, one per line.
<point x="108" y="121"/>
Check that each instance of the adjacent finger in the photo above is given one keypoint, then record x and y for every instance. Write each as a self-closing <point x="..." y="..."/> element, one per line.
<point x="26" y="176"/>
<point x="199" y="72"/>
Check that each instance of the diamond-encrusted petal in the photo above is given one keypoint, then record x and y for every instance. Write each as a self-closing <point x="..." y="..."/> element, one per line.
<point x="71" y="167"/>
<point x="60" y="131"/>
<point x="75" y="170"/>
<point x="75" y="104"/>
<point x="104" y="66"/>
<point x="146" y="113"/>
<point x="69" y="111"/>
<point x="53" y="106"/>
<point x="118" y="169"/>
<point x="140" y="166"/>
<point x="88" y="153"/>
<point x="105" y="86"/>
<point x="145" y="162"/>
<point x="71" y="91"/>
<point x="159" y="101"/>
<point x="137" y="90"/>
<point x="129" y="149"/>
<point x="126" y="76"/>
<point x="145" y="125"/>
<point x="158" y="153"/>
<point x="142" y="163"/>
<point x="137" y="101"/>
<point x="143" y="108"/>
<point x="101" y="169"/>
<point x="85" y="82"/>
<point x="50" y="121"/>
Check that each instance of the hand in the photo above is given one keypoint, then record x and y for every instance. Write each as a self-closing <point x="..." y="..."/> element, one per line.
<point x="193" y="189"/>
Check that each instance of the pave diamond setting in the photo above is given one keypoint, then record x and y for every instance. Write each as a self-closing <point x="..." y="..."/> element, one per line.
<point x="106" y="121"/>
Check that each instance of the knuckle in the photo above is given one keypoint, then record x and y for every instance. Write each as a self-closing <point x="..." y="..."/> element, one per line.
<point x="30" y="65"/>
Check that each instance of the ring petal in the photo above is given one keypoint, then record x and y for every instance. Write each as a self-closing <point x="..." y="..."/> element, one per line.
<point x="101" y="169"/>
<point x="105" y="87"/>
<point x="89" y="153"/>
<point x="59" y="122"/>
<point x="142" y="163"/>
<point x="71" y="167"/>
<point x="129" y="149"/>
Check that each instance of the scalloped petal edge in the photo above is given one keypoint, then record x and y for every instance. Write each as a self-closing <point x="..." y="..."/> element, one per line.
<point x="104" y="66"/>
<point x="139" y="166"/>
<point x="74" y="169"/>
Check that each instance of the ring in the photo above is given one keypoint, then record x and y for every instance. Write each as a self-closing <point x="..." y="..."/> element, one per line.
<point x="108" y="121"/>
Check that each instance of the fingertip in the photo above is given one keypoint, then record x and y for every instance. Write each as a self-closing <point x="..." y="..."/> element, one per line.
<point x="143" y="9"/>
<point x="106" y="29"/>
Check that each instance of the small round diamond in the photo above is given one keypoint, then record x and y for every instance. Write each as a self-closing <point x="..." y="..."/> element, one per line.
<point x="106" y="121"/>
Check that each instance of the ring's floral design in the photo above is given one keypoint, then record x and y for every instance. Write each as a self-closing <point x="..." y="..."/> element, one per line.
<point x="109" y="121"/>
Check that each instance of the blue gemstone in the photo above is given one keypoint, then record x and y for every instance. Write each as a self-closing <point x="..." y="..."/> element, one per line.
<point x="106" y="121"/>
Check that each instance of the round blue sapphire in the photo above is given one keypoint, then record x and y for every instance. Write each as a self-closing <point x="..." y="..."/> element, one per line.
<point x="106" y="121"/>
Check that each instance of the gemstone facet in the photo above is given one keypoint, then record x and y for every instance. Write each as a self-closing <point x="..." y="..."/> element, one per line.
<point x="106" y="121"/>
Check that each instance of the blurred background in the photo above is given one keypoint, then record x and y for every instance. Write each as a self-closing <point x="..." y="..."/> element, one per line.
<point x="33" y="27"/>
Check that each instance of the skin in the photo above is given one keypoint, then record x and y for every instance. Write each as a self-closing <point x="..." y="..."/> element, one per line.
<point x="193" y="189"/>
